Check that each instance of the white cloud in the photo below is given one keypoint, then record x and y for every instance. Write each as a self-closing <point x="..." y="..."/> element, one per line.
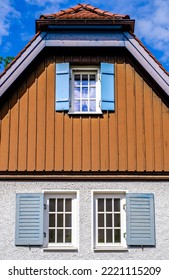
<point x="44" y="2"/>
<point x="153" y="27"/>
<point x="151" y="22"/>
<point x="7" y="46"/>
<point x="7" y="13"/>
<point x="26" y="36"/>
<point x="47" y="4"/>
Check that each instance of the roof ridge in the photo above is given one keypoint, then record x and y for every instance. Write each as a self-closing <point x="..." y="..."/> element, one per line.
<point x="86" y="7"/>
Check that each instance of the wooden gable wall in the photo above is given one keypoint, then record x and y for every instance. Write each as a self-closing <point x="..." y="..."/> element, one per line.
<point x="33" y="137"/>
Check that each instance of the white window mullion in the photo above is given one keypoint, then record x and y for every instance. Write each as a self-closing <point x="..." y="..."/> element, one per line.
<point x="105" y="221"/>
<point x="63" y="220"/>
<point x="56" y="221"/>
<point x="97" y="223"/>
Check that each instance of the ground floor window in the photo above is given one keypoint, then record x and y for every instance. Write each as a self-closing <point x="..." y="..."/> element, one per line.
<point x="61" y="228"/>
<point x="109" y="219"/>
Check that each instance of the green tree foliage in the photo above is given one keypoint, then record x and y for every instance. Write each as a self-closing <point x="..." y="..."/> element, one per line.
<point x="4" y="61"/>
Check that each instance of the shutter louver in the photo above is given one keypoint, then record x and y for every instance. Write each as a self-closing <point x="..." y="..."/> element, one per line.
<point x="29" y="219"/>
<point x="62" y="86"/>
<point x="140" y="219"/>
<point x="107" y="87"/>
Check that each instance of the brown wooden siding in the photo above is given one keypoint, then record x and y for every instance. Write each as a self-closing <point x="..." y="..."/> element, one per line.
<point x="33" y="137"/>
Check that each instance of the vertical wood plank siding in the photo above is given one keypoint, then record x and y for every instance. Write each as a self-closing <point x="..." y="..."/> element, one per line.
<point x="34" y="137"/>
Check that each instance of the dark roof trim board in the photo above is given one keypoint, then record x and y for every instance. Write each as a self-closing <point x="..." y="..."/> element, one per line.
<point x="45" y="39"/>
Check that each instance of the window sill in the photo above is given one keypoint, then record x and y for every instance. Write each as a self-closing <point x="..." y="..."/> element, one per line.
<point x="46" y="249"/>
<point x="85" y="113"/>
<point x="113" y="249"/>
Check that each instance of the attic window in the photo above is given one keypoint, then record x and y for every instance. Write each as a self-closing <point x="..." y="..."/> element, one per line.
<point x="85" y="90"/>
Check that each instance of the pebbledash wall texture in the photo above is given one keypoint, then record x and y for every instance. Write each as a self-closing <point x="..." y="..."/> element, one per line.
<point x="8" y="191"/>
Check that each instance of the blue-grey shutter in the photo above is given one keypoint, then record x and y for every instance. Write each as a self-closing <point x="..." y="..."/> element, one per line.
<point x="107" y="86"/>
<point x="140" y="219"/>
<point x="29" y="219"/>
<point x="62" y="86"/>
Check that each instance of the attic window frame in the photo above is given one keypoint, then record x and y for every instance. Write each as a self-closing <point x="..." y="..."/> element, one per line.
<point x="85" y="70"/>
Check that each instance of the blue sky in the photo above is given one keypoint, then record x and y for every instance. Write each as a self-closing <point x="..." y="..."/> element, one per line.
<point x="17" y="22"/>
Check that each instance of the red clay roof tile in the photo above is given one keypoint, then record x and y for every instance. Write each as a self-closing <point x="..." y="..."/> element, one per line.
<point x="84" y="11"/>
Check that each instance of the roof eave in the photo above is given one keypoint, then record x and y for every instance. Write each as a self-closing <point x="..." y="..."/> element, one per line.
<point x="45" y="24"/>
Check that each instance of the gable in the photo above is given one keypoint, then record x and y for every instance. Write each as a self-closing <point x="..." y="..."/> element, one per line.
<point x="36" y="138"/>
<point x="131" y="137"/>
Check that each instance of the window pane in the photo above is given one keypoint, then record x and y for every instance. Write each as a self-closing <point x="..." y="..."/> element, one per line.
<point x="60" y="205"/>
<point x="76" y="93"/>
<point x="92" y="106"/>
<point x="51" y="220"/>
<point x="108" y="205"/>
<point x="60" y="235"/>
<point x="101" y="236"/>
<point x="109" y="237"/>
<point x="68" y="205"/>
<point x="108" y="220"/>
<point x="51" y="235"/>
<point x="117" y="238"/>
<point x="84" y="106"/>
<point x="77" y="106"/>
<point x="84" y="92"/>
<point x="100" y="204"/>
<point x="68" y="237"/>
<point x="77" y="79"/>
<point x="100" y="220"/>
<point x="59" y="220"/>
<point x="51" y="205"/>
<point x="92" y="92"/>
<point x="92" y="79"/>
<point x="117" y="220"/>
<point x="68" y="220"/>
<point x="84" y="79"/>
<point x="116" y="205"/>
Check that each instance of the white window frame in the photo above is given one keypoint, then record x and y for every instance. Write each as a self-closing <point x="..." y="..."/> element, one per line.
<point x="75" y="220"/>
<point x="109" y="246"/>
<point x="85" y="70"/>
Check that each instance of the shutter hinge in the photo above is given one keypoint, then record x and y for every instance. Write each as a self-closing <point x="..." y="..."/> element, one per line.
<point x="124" y="207"/>
<point x="44" y="206"/>
<point x="124" y="235"/>
<point x="44" y="234"/>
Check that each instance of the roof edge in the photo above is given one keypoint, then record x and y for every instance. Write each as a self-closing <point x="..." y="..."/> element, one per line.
<point x="40" y="41"/>
<point x="44" y="25"/>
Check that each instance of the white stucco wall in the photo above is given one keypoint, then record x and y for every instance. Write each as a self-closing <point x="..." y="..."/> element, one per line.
<point x="8" y="191"/>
